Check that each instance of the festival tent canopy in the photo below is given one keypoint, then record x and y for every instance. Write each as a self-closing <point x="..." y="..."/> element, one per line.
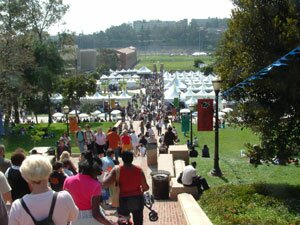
<point x="124" y="96"/>
<point x="56" y="98"/>
<point x="144" y="70"/>
<point x="185" y="111"/>
<point x="192" y="101"/>
<point x="83" y="115"/>
<point x="96" y="113"/>
<point x="115" y="112"/>
<point x="73" y="112"/>
<point x="58" y="114"/>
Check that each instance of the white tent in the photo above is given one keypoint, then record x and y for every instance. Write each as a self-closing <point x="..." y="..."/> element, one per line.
<point x="191" y="101"/>
<point x="131" y="84"/>
<point x="73" y="112"/>
<point x="124" y="96"/>
<point x="83" y="115"/>
<point x="115" y="112"/>
<point x="227" y="110"/>
<point x="96" y="113"/>
<point x="144" y="70"/>
<point x="185" y="111"/>
<point x="58" y="114"/>
<point x="171" y="93"/>
<point x="56" y="98"/>
<point x="176" y="82"/>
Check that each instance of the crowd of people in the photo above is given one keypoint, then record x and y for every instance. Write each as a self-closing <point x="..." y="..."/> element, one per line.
<point x="28" y="185"/>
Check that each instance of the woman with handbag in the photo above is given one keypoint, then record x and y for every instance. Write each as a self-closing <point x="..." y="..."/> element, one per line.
<point x="131" y="199"/>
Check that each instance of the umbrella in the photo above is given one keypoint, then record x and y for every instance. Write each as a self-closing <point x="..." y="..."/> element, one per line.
<point x="96" y="113"/>
<point x="58" y="114"/>
<point x="185" y="111"/>
<point x="83" y="115"/>
<point x="226" y="110"/>
<point x="115" y="112"/>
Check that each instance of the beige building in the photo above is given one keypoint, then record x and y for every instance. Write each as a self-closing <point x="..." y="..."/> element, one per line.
<point x="128" y="57"/>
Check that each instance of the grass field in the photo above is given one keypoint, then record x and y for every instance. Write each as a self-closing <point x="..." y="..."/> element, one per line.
<point x="267" y="194"/>
<point x="16" y="140"/>
<point x="172" y="62"/>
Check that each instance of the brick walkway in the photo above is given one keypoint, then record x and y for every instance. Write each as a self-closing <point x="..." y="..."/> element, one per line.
<point x="169" y="212"/>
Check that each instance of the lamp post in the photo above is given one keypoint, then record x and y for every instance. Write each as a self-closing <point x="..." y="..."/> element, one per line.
<point x="109" y="116"/>
<point x="216" y="171"/>
<point x="66" y="111"/>
<point x="178" y="106"/>
<point x="191" y="107"/>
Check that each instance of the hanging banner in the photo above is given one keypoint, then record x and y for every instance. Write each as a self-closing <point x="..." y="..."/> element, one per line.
<point x="112" y="103"/>
<point x="205" y="114"/>
<point x="176" y="102"/>
<point x="73" y="123"/>
<point x="185" y="123"/>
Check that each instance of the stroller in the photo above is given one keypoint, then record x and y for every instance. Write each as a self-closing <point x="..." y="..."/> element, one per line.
<point x="148" y="202"/>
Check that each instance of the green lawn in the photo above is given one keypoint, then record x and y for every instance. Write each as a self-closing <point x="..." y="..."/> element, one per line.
<point x="172" y="63"/>
<point x="266" y="194"/>
<point x="16" y="140"/>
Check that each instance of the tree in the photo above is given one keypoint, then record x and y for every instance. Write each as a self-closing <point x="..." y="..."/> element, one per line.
<point x="75" y="87"/>
<point x="109" y="58"/>
<point x="259" y="32"/>
<point x="42" y="14"/>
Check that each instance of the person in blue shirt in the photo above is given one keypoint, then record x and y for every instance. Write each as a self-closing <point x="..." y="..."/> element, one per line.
<point x="107" y="165"/>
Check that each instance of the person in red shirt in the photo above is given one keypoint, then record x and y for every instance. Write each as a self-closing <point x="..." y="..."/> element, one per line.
<point x="113" y="140"/>
<point x="126" y="141"/>
<point x="131" y="189"/>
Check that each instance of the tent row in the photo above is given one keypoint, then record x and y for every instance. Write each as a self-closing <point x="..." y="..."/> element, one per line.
<point x="57" y="98"/>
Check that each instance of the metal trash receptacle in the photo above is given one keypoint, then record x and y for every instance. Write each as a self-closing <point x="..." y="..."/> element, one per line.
<point x="151" y="151"/>
<point x="160" y="184"/>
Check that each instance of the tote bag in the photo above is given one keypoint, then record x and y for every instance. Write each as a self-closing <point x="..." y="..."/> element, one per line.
<point x="116" y="189"/>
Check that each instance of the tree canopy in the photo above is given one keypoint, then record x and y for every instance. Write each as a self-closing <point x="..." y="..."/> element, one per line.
<point x="259" y="32"/>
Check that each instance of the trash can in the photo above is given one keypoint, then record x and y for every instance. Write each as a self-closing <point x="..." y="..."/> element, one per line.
<point x="160" y="184"/>
<point x="151" y="151"/>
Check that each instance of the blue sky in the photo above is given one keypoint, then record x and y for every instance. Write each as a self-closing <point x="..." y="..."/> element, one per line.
<point x="88" y="16"/>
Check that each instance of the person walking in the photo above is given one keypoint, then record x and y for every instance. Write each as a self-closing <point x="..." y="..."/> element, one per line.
<point x="133" y="184"/>
<point x="36" y="170"/>
<point x="86" y="191"/>
<point x="113" y="140"/>
<point x="100" y="142"/>
<point x="79" y="138"/>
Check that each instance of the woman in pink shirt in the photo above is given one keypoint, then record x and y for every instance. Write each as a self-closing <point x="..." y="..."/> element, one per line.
<point x="86" y="191"/>
<point x="36" y="170"/>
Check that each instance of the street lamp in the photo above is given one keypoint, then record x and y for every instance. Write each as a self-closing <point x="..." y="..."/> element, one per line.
<point x="66" y="111"/>
<point x="191" y="107"/>
<point x="109" y="116"/>
<point x="216" y="171"/>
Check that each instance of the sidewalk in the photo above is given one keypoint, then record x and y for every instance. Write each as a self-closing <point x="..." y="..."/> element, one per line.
<point x="169" y="212"/>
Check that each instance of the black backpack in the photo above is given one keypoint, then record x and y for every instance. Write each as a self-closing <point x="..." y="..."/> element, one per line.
<point x="46" y="221"/>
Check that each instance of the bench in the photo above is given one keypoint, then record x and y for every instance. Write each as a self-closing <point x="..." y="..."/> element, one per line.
<point x="192" y="212"/>
<point x="180" y="152"/>
<point x="178" y="188"/>
<point x="165" y="162"/>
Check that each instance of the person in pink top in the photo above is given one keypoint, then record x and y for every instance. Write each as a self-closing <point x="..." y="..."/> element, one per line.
<point x="36" y="170"/>
<point x="86" y="191"/>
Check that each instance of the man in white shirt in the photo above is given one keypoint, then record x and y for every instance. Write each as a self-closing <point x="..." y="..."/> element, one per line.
<point x="190" y="178"/>
<point x="100" y="140"/>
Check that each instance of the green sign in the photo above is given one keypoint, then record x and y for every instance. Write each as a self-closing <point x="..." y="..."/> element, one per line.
<point x="185" y="123"/>
<point x="176" y="102"/>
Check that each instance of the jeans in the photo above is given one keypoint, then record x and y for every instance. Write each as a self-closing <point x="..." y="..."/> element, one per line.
<point x="81" y="146"/>
<point x="134" y="205"/>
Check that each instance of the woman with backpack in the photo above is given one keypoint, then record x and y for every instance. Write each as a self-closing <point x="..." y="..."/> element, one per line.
<point x="34" y="208"/>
